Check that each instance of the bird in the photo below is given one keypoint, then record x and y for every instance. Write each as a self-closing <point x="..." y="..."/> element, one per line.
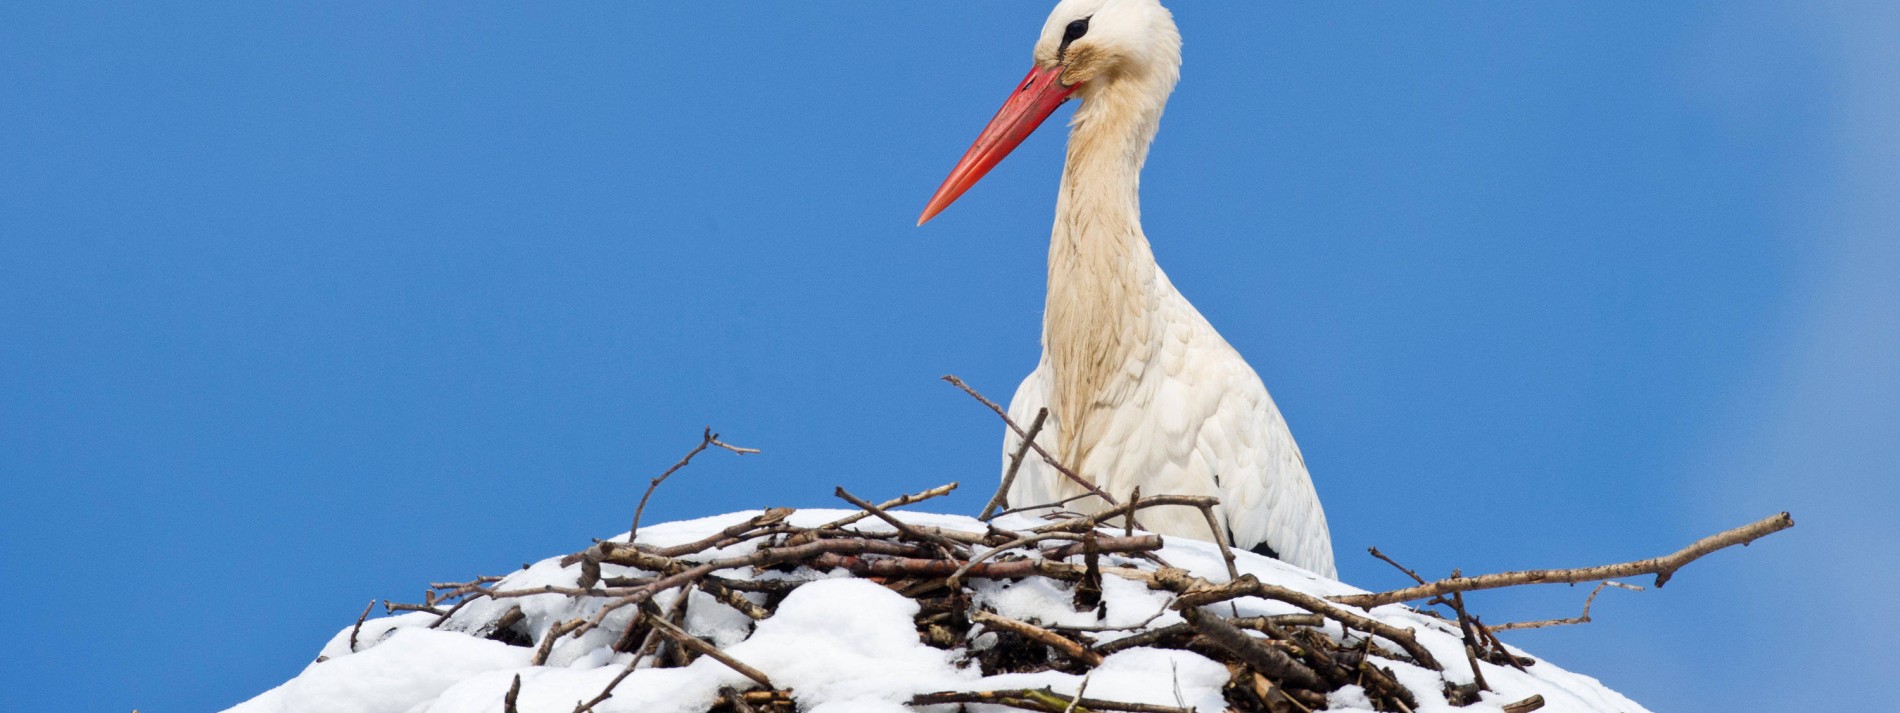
<point x="1141" y="391"/>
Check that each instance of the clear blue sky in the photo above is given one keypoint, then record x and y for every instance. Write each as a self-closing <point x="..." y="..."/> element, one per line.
<point x="305" y="306"/>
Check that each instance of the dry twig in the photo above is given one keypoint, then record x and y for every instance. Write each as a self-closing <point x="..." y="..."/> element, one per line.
<point x="1001" y="498"/>
<point x="1046" y="457"/>
<point x="1583" y="618"/>
<point x="1663" y="567"/>
<point x="695" y="643"/>
<point x="360" y="618"/>
<point x="708" y="438"/>
<point x="1053" y="640"/>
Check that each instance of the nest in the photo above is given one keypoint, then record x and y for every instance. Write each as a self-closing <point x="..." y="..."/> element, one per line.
<point x="1280" y="663"/>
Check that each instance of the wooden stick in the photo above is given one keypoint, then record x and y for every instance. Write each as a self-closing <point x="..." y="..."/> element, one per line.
<point x="938" y="491"/>
<point x="372" y="604"/>
<point x="1196" y="592"/>
<point x="1583" y="618"/>
<point x="1663" y="567"/>
<point x="1053" y="640"/>
<point x="1038" y="699"/>
<point x="1525" y="706"/>
<point x="904" y="527"/>
<point x="1001" y="498"/>
<point x="706" y="439"/>
<point x="1264" y="659"/>
<point x="1046" y="458"/>
<point x="697" y="644"/>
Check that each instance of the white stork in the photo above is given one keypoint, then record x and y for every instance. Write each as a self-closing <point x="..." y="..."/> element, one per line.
<point x="1141" y="390"/>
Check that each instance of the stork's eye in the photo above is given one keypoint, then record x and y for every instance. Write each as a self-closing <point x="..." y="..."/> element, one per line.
<point x="1075" y="31"/>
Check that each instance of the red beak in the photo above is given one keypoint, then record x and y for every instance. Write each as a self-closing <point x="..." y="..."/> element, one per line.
<point x="1037" y="97"/>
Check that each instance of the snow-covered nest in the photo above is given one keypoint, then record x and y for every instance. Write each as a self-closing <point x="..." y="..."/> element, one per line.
<point x="829" y="641"/>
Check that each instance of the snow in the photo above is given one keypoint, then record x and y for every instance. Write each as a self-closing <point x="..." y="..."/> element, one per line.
<point x="844" y="645"/>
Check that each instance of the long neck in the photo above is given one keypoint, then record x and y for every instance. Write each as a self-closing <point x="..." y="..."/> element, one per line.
<point x="1102" y="275"/>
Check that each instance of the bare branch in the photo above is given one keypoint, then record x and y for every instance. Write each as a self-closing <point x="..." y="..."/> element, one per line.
<point x="1001" y="498"/>
<point x="935" y="492"/>
<point x="1038" y="699"/>
<point x="1270" y="661"/>
<point x="708" y="438"/>
<point x="1583" y="618"/>
<point x="1663" y="567"/>
<point x="1046" y="458"/>
<point x="903" y="527"/>
<point x="1198" y="592"/>
<point x="1053" y="640"/>
<point x="365" y="615"/>
<point x="695" y="643"/>
<point x="1525" y="706"/>
<point x="514" y="692"/>
<point x="1402" y="568"/>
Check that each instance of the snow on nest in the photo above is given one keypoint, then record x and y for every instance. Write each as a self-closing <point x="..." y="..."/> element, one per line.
<point x="843" y="645"/>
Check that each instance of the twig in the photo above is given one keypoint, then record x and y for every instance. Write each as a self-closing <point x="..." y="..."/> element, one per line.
<point x="1092" y="521"/>
<point x="1402" y="568"/>
<point x="1038" y="699"/>
<point x="904" y="527"/>
<point x="956" y="577"/>
<point x="1001" y="498"/>
<point x="372" y="604"/>
<point x="458" y="607"/>
<point x="1663" y="567"/>
<point x="1053" y="640"/>
<point x="514" y="692"/>
<point x="708" y="438"/>
<point x="393" y="607"/>
<point x="1525" y="706"/>
<point x="1051" y="460"/>
<point x="1220" y="539"/>
<point x="1134" y="503"/>
<point x="935" y="492"/>
<point x="1103" y="545"/>
<point x="697" y="644"/>
<point x="1195" y="592"/>
<point x="638" y="654"/>
<point x="738" y="701"/>
<point x="1142" y="625"/>
<point x="1264" y="659"/>
<point x="546" y="649"/>
<point x="1080" y="689"/>
<point x="1583" y="618"/>
<point x="1047" y="506"/>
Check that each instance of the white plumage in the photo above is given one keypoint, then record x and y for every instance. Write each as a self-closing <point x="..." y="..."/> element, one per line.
<point x="1141" y="390"/>
<point x="1196" y="420"/>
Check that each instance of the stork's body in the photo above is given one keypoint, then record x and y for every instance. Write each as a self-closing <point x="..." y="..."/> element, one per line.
<point x="1141" y="391"/>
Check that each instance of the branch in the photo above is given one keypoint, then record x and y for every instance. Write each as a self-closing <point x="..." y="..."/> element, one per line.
<point x="1264" y="659"/>
<point x="697" y="644"/>
<point x="1196" y="592"/>
<point x="365" y="615"/>
<point x="1051" y="460"/>
<point x="1001" y="498"/>
<point x="1663" y="567"/>
<point x="1402" y="568"/>
<point x="706" y="439"/>
<point x="1053" y="640"/>
<point x="904" y="527"/>
<point x="1038" y="699"/>
<point x="938" y="491"/>
<point x="1583" y="618"/>
<point x="514" y="692"/>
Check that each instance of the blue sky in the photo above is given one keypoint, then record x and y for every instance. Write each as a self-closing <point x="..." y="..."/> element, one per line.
<point x="305" y="306"/>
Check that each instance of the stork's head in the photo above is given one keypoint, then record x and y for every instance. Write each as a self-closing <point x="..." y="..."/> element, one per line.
<point x="1121" y="52"/>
